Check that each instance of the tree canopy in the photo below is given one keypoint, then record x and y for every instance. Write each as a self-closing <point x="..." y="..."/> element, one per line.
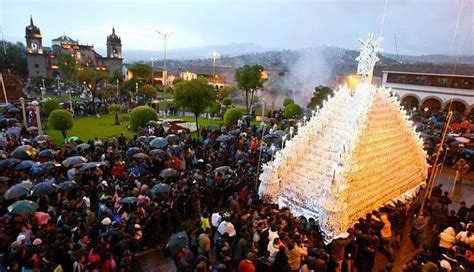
<point x="293" y="110"/>
<point x="147" y="91"/>
<point x="140" y="116"/>
<point x="16" y="58"/>
<point x="195" y="95"/>
<point x="61" y="120"/>
<point x="67" y="65"/>
<point x="49" y="106"/>
<point x="249" y="79"/>
<point x="320" y="94"/>
<point x="141" y="71"/>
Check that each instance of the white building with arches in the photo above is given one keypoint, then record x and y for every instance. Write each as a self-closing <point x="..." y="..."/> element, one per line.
<point x="436" y="91"/>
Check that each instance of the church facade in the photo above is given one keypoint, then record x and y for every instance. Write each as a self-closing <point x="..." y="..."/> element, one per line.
<point x="42" y="60"/>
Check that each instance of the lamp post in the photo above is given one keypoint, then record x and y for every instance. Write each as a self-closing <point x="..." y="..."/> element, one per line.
<point x="23" y="111"/>
<point x="262" y="127"/>
<point x="57" y="78"/>
<point x="36" y="106"/>
<point x="43" y="90"/>
<point x="117" y="85"/>
<point x="214" y="57"/>
<point x="165" y="35"/>
<point x="70" y="100"/>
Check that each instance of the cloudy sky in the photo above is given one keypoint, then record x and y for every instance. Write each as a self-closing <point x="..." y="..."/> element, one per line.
<point x="421" y="26"/>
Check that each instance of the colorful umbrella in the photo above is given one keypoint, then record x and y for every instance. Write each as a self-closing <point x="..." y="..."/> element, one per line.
<point x="159" y="142"/>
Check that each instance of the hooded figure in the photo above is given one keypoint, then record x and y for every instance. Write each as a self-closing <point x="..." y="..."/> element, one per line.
<point x="447" y="238"/>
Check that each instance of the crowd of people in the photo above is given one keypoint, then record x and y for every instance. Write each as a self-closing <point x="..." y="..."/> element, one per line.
<point x="95" y="205"/>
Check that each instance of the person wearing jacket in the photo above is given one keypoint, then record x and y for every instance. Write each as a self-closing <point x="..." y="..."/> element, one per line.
<point x="446" y="239"/>
<point x="386" y="235"/>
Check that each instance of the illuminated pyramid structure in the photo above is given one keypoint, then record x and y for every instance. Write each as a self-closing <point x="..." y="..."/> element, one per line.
<point x="357" y="153"/>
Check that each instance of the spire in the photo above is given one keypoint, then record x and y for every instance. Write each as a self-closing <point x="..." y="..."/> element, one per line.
<point x="31" y="20"/>
<point x="113" y="30"/>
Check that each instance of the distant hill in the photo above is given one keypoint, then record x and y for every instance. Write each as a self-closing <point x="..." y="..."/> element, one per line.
<point x="432" y="58"/>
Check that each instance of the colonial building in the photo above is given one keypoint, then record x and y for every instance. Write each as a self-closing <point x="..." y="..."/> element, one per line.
<point x="432" y="86"/>
<point x="42" y="60"/>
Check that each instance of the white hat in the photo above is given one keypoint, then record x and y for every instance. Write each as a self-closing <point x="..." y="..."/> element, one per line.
<point x="37" y="242"/>
<point x="106" y="221"/>
<point x="21" y="238"/>
<point x="137" y="226"/>
<point x="104" y="183"/>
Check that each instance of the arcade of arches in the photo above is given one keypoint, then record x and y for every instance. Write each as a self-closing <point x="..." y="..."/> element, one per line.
<point x="410" y="102"/>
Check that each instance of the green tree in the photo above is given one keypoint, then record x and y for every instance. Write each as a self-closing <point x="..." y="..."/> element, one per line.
<point x="92" y="78"/>
<point x="195" y="95"/>
<point x="61" y="120"/>
<point x="129" y="86"/>
<point x="227" y="101"/>
<point x="50" y="105"/>
<point x="141" y="72"/>
<point x="231" y="116"/>
<point x="273" y="88"/>
<point x="16" y="58"/>
<point x="140" y="116"/>
<point x="214" y="108"/>
<point x="67" y="65"/>
<point x="249" y="79"/>
<point x="107" y="92"/>
<point x="293" y="110"/>
<point x="287" y="101"/>
<point x="147" y="91"/>
<point x="226" y="91"/>
<point x="320" y="94"/>
<point x="115" y="109"/>
<point x="38" y="81"/>
<point x="116" y="75"/>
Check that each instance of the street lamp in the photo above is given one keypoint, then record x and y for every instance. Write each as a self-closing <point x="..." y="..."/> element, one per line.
<point x="165" y="35"/>
<point x="152" y="65"/>
<point x="36" y="106"/>
<point x="43" y="90"/>
<point x="57" y="78"/>
<point x="214" y="56"/>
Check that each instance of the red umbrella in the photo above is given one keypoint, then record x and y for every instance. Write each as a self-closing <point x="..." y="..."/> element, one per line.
<point x="42" y="218"/>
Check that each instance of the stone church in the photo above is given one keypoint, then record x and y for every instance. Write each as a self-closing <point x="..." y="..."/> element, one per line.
<point x="42" y="60"/>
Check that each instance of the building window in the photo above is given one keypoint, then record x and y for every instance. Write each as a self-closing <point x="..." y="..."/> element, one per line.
<point x="37" y="65"/>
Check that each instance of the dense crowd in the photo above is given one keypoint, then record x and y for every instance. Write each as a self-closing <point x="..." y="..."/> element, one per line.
<point x="96" y="205"/>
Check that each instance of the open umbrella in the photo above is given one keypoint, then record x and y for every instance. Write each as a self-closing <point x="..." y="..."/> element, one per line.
<point x="280" y="133"/>
<point x="23" y="152"/>
<point x="42" y="218"/>
<point x="271" y="137"/>
<point x="42" y="138"/>
<point x="469" y="135"/>
<point x="24" y="165"/>
<point x="129" y="200"/>
<point x="140" y="155"/>
<point x="222" y="169"/>
<point x="156" y="153"/>
<point x="235" y="132"/>
<point x="9" y="163"/>
<point x="13" y="110"/>
<point x="176" y="242"/>
<point x="168" y="172"/>
<point x="43" y="188"/>
<point x="83" y="146"/>
<point x="22" y="207"/>
<point x="152" y="123"/>
<point x="161" y="188"/>
<point x="47" y="153"/>
<point x="49" y="165"/>
<point x="159" y="142"/>
<point x="133" y="150"/>
<point x="15" y="191"/>
<point x="90" y="166"/>
<point x="143" y="139"/>
<point x="73" y="139"/>
<point x="224" y="138"/>
<point x="32" y="128"/>
<point x="12" y="121"/>
<point x="67" y="186"/>
<point x="13" y="132"/>
<point x="3" y="143"/>
<point x="172" y="138"/>
<point x="74" y="160"/>
<point x="241" y="155"/>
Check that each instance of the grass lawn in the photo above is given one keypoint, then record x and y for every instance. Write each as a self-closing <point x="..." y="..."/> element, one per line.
<point x="87" y="128"/>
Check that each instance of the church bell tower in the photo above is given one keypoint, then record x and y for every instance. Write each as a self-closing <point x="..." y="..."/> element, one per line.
<point x="114" y="46"/>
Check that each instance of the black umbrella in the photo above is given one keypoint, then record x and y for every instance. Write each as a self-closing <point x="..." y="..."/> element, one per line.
<point x="43" y="188"/>
<point x="90" y="166"/>
<point x="23" y="207"/>
<point x="241" y="155"/>
<point x="280" y="133"/>
<point x="224" y="138"/>
<point x="161" y="188"/>
<point x="156" y="153"/>
<point x="24" y="165"/>
<point x="67" y="186"/>
<point x="9" y="163"/>
<point x="3" y="143"/>
<point x="176" y="242"/>
<point x="129" y="200"/>
<point x="13" y="132"/>
<point x="222" y="169"/>
<point x="83" y="146"/>
<point x="49" y="165"/>
<point x="133" y="150"/>
<point x="168" y="172"/>
<point x="75" y="160"/>
<point x="172" y="138"/>
<point x="140" y="155"/>
<point x="47" y="153"/>
<point x="23" y="152"/>
<point x="15" y="191"/>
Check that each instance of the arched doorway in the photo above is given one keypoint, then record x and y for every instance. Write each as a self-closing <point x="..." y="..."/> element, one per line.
<point x="455" y="106"/>
<point x="432" y="104"/>
<point x="409" y="102"/>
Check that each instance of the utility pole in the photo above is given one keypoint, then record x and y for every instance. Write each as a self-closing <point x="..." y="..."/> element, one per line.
<point x="165" y="36"/>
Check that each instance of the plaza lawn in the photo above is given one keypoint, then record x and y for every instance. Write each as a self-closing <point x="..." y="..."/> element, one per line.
<point x="87" y="128"/>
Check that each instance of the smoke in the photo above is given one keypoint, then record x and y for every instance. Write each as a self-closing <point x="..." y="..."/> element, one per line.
<point x="308" y="69"/>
